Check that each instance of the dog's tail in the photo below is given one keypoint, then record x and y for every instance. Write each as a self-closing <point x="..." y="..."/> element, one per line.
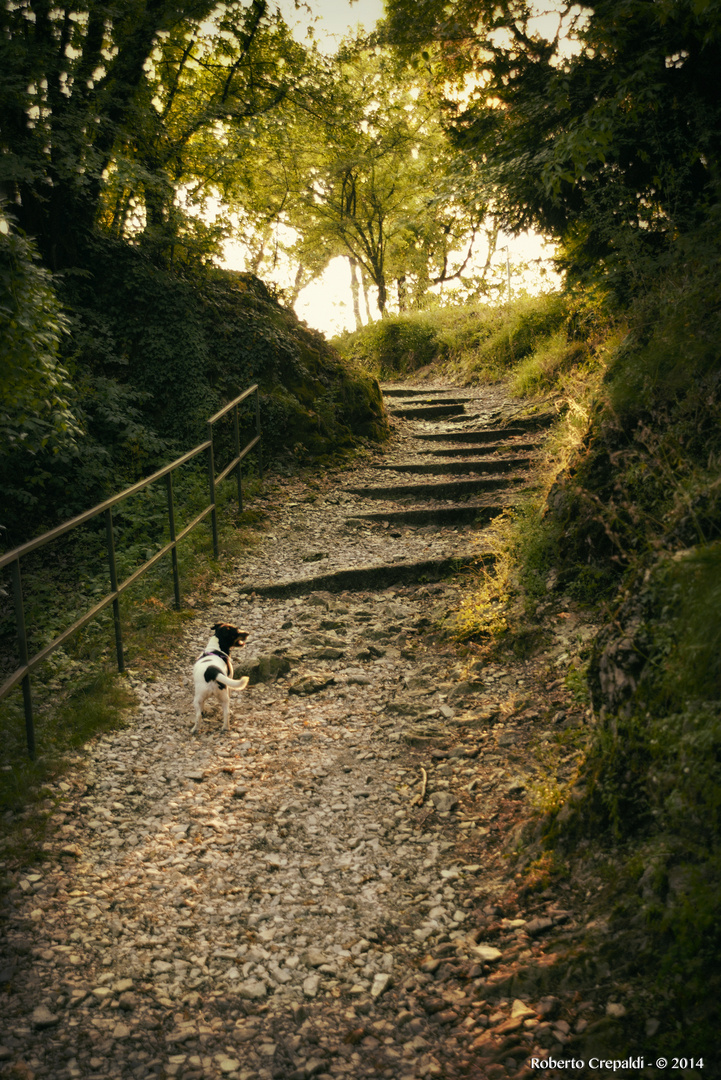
<point x="232" y="684"/>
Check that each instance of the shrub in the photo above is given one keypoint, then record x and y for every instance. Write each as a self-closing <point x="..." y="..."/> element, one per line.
<point x="39" y="425"/>
<point x="474" y="343"/>
<point x="398" y="345"/>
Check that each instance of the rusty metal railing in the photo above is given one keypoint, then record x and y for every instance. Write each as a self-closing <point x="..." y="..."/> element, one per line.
<point x="12" y="558"/>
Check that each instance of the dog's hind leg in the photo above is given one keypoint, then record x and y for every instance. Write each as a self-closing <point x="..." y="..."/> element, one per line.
<point x="226" y="709"/>
<point x="198" y="713"/>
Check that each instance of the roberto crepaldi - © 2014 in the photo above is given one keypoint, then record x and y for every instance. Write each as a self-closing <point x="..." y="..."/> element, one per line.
<point x="614" y="1064"/>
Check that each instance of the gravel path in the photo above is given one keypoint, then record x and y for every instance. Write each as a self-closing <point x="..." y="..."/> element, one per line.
<point x="324" y="890"/>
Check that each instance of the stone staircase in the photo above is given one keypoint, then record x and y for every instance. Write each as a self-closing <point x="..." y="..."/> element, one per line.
<point x="454" y="465"/>
<point x="476" y="472"/>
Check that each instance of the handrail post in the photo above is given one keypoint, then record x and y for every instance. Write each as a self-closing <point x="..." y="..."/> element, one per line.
<point x="236" y="422"/>
<point x="211" y="490"/>
<point x="114" y="588"/>
<point x="174" y="552"/>
<point x="23" y="650"/>
<point x="257" y="432"/>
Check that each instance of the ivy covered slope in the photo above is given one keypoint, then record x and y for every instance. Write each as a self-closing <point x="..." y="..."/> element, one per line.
<point x="633" y="529"/>
<point x="140" y="358"/>
<point x="208" y="335"/>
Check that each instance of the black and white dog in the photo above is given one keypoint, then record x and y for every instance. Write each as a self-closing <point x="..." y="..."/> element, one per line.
<point x="213" y="671"/>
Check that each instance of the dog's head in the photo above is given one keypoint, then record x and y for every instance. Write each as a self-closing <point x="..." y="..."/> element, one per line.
<point x="229" y="637"/>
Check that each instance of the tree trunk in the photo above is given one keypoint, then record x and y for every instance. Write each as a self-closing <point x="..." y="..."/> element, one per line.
<point x="421" y="288"/>
<point x="492" y="238"/>
<point x="298" y="286"/>
<point x="402" y="293"/>
<point x="382" y="294"/>
<point x="156" y="209"/>
<point x="57" y="219"/>
<point x="364" y="291"/>
<point x="258" y="258"/>
<point x="355" y="288"/>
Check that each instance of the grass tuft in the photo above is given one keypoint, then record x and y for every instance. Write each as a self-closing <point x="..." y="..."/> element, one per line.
<point x="473" y="343"/>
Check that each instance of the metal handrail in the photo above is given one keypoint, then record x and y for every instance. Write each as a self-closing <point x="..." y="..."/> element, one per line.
<point x="12" y="558"/>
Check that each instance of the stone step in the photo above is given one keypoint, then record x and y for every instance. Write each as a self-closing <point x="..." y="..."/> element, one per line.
<point x="411" y="392"/>
<point x="438" y="468"/>
<point x="470" y="514"/>
<point x="483" y="435"/>
<point x="429" y="412"/>
<point x="430" y="399"/>
<point x="368" y="578"/>
<point x="460" y="419"/>
<point x="537" y="422"/>
<point x="453" y="489"/>
<point x="470" y="451"/>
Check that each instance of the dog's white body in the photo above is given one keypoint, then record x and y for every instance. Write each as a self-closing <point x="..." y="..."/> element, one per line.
<point x="213" y="671"/>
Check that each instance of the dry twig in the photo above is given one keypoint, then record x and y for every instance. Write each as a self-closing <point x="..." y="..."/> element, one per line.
<point x="418" y="799"/>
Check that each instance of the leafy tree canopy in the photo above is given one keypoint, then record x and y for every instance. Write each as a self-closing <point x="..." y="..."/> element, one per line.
<point x="118" y="99"/>
<point x="360" y="165"/>
<point x="600" y="123"/>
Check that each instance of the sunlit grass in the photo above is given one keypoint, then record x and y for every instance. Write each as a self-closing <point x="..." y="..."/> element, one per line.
<point x="473" y="343"/>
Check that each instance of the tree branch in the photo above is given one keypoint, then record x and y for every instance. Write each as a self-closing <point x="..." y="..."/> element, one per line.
<point x="259" y="10"/>
<point x="443" y="276"/>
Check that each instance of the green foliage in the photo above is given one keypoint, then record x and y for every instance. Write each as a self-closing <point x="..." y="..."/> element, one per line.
<point x="654" y="768"/>
<point x="36" y="417"/>
<point x="142" y="325"/>
<point x="547" y="365"/>
<point x="121" y="112"/>
<point x="639" y="507"/>
<point x="687" y="645"/>
<point x="87" y="710"/>
<point x="636" y="518"/>
<point x="395" y="346"/>
<point x="646" y="477"/>
<point x="114" y="438"/>
<point x="514" y="332"/>
<point x="610" y="144"/>
<point x="631" y="529"/>
<point x="474" y="342"/>
<point x="674" y="327"/>
<point x="673" y="714"/>
<point x="498" y="608"/>
<point x="358" y="164"/>
<point x="209" y="88"/>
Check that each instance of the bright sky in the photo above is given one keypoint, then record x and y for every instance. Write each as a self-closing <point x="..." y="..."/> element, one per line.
<point x="330" y="18"/>
<point x="326" y="304"/>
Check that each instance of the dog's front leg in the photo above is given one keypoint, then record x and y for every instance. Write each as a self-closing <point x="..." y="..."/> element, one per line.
<point x="226" y="710"/>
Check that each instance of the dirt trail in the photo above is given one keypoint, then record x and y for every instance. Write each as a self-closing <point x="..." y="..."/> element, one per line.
<point x="325" y="890"/>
